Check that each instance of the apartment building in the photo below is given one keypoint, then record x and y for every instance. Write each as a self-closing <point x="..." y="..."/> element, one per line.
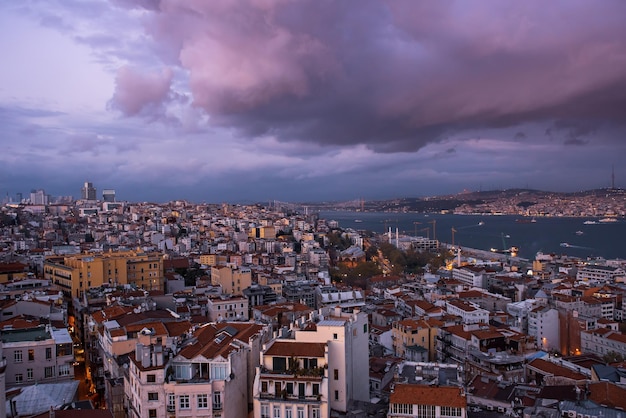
<point x="211" y="375"/>
<point x="410" y="333"/>
<point x="601" y="274"/>
<point x="292" y="380"/>
<point x="602" y="341"/>
<point x="37" y="353"/>
<point x="469" y="312"/>
<point x="75" y="274"/>
<point x="227" y="308"/>
<point x="544" y="326"/>
<point x="233" y="279"/>
<point x="347" y="337"/>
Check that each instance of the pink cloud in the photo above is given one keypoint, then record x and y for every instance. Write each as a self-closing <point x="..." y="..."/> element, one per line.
<point x="138" y="93"/>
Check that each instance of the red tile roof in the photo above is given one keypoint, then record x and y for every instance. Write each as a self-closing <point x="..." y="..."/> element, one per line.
<point x="296" y="349"/>
<point x="428" y="395"/>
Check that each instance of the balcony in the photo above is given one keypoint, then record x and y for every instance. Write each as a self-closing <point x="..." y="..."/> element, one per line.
<point x="291" y="398"/>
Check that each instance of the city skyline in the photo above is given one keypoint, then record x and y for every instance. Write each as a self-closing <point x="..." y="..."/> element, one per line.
<point x="299" y="101"/>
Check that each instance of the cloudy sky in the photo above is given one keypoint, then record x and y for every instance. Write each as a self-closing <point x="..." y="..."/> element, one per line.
<point x="295" y="100"/>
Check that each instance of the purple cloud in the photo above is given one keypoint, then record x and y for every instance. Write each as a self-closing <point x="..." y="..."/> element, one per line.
<point x="395" y="75"/>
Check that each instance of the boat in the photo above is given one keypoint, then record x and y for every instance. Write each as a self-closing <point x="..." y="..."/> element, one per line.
<point x="513" y="250"/>
<point x="607" y="220"/>
<point x="526" y="220"/>
<point x="565" y="244"/>
<point x="481" y="223"/>
<point x="589" y="223"/>
<point x="358" y="221"/>
<point x="579" y="232"/>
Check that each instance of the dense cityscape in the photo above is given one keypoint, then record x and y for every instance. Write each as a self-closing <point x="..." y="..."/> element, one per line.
<point x="222" y="310"/>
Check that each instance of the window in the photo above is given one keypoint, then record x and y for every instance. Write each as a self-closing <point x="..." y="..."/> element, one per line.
<point x="48" y="353"/>
<point x="217" y="400"/>
<point x="364" y="328"/>
<point x="31" y="354"/>
<point x="336" y="395"/>
<point x="265" y="411"/>
<point x="152" y="413"/>
<point x="334" y="336"/>
<point x="153" y="396"/>
<point x="151" y="378"/>
<point x="276" y="411"/>
<point x="64" y="369"/>
<point x="264" y="387"/>
<point x="203" y="401"/>
<point x="171" y="402"/>
<point x="19" y="378"/>
<point x="450" y="411"/>
<point x="17" y="356"/>
<point x="288" y="412"/>
<point x="49" y="371"/>
<point x="300" y="412"/>
<point x="218" y="371"/>
<point x="336" y="374"/>
<point x="183" y="402"/>
<point x="316" y="388"/>
<point x="315" y="413"/>
<point x="426" y="411"/>
<point x="29" y="374"/>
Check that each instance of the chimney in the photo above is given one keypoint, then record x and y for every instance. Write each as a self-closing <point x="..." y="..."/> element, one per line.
<point x="158" y="353"/>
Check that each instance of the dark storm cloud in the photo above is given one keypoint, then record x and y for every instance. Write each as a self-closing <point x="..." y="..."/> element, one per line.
<point x="395" y="75"/>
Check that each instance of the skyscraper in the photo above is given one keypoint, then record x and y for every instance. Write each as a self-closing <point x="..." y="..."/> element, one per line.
<point x="38" y="197"/>
<point x="88" y="192"/>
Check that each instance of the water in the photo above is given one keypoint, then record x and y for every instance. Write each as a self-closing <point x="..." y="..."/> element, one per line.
<point x="549" y="235"/>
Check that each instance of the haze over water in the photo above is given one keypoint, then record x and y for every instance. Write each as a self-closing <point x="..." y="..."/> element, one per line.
<point x="547" y="234"/>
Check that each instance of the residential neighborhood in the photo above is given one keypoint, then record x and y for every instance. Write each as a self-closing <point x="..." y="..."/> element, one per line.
<point x="221" y="310"/>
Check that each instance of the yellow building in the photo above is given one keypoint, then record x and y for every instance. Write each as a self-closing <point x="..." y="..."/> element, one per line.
<point x="266" y="232"/>
<point x="76" y="273"/>
<point x="412" y="332"/>
<point x="232" y="279"/>
<point x="213" y="259"/>
<point x="12" y="271"/>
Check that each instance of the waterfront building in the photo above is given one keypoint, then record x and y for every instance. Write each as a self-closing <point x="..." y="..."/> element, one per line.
<point x="74" y="274"/>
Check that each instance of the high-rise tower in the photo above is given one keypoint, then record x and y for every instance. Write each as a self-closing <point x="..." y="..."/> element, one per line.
<point x="88" y="192"/>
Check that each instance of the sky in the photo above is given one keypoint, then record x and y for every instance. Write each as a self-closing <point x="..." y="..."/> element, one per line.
<point x="310" y="100"/>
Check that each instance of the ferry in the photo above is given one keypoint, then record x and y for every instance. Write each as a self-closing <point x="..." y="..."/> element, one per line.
<point x="358" y="221"/>
<point x="512" y="250"/>
<point x="565" y="244"/>
<point x="589" y="223"/>
<point x="606" y="220"/>
<point x="579" y="232"/>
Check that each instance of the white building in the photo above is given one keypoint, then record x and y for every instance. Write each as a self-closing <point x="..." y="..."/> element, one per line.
<point x="212" y="370"/>
<point x="469" y="312"/>
<point x="543" y="324"/>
